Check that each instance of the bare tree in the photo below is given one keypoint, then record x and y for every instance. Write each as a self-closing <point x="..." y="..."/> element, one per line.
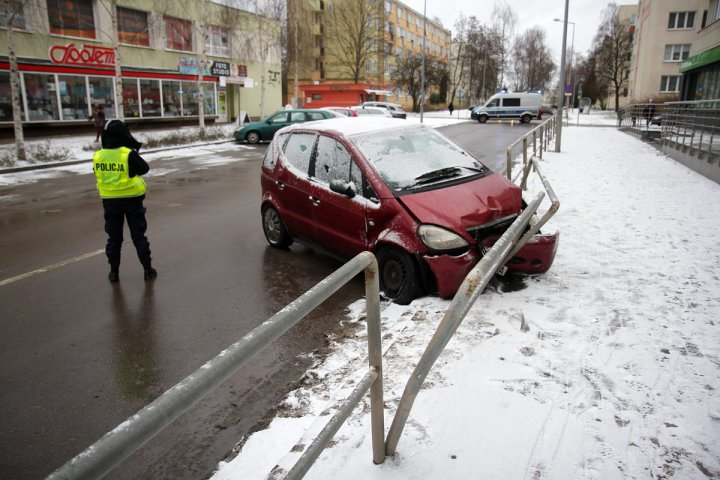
<point x="11" y="10"/>
<point x="532" y="65"/>
<point x="408" y="74"/>
<point x="482" y="56"/>
<point x="613" y="43"/>
<point x="355" y="28"/>
<point x="594" y="87"/>
<point x="505" y="20"/>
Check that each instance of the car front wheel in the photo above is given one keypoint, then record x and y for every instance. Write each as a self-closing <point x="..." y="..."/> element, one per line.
<point x="274" y="229"/>
<point x="252" y="137"/>
<point x="398" y="275"/>
<point x="482" y="118"/>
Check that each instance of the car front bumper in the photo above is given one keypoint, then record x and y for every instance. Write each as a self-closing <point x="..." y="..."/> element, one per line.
<point x="535" y="257"/>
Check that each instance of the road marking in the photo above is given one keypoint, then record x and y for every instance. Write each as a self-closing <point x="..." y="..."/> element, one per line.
<point x="50" y="267"/>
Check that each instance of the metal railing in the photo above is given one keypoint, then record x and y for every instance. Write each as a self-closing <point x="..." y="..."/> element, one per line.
<point x="540" y="137"/>
<point x="638" y="117"/>
<point x="693" y="127"/>
<point x="101" y="457"/>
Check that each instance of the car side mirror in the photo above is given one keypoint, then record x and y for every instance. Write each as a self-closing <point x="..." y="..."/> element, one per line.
<point x="343" y="188"/>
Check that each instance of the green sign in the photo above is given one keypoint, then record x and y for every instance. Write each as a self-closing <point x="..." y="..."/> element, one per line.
<point x="701" y="59"/>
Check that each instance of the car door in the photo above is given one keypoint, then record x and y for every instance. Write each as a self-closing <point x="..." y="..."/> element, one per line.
<point x="275" y="123"/>
<point x="294" y="185"/>
<point x="511" y="107"/>
<point x="339" y="220"/>
<point x="492" y="108"/>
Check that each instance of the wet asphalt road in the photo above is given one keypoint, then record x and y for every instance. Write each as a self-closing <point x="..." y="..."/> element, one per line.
<point x="78" y="355"/>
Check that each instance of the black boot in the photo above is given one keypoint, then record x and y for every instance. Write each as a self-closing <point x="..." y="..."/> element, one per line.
<point x="114" y="276"/>
<point x="150" y="273"/>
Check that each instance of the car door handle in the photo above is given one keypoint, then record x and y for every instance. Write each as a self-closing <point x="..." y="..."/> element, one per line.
<point x="314" y="201"/>
<point x="280" y="185"/>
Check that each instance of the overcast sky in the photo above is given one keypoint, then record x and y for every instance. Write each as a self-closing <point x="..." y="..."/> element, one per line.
<point x="585" y="13"/>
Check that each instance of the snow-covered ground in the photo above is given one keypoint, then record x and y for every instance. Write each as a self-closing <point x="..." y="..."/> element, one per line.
<point x="617" y="377"/>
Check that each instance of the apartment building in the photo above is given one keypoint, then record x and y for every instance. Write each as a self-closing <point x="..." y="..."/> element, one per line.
<point x="67" y="63"/>
<point x="397" y="32"/>
<point x="665" y="33"/>
<point x="701" y="71"/>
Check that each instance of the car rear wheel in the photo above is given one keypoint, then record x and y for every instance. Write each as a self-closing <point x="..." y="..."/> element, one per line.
<point x="274" y="229"/>
<point x="482" y="118"/>
<point x="525" y="118"/>
<point x="398" y="275"/>
<point x="252" y="137"/>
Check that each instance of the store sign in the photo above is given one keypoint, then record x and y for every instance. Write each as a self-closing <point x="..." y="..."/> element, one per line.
<point x="190" y="66"/>
<point x="89" y="55"/>
<point x="220" y="69"/>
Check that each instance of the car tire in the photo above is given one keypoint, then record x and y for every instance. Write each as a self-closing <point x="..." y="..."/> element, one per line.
<point x="252" y="137"/>
<point x="274" y="229"/>
<point x="399" y="279"/>
<point x="483" y="118"/>
<point x="525" y="118"/>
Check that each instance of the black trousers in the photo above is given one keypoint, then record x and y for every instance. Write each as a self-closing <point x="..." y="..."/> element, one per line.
<point x="115" y="213"/>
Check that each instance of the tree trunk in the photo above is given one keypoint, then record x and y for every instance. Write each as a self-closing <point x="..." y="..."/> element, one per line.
<point x="14" y="83"/>
<point x="296" y="94"/>
<point x="201" y="72"/>
<point x="119" y="108"/>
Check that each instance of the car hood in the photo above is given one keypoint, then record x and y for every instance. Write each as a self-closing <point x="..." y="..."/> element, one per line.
<point x="466" y="205"/>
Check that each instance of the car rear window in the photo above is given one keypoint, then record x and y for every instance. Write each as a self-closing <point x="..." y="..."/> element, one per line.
<point x="315" y="116"/>
<point x="298" y="150"/>
<point x="511" y="102"/>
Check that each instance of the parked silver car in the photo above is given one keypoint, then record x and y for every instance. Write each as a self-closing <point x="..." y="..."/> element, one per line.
<point x="395" y="110"/>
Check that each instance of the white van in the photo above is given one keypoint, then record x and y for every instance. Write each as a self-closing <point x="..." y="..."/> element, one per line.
<point x="524" y="106"/>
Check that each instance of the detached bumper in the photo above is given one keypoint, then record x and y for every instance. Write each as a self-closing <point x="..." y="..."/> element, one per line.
<point x="535" y="257"/>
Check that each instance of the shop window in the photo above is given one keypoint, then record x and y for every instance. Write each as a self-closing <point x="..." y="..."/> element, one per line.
<point x="217" y="41"/>
<point x="6" y="109"/>
<point x="209" y="97"/>
<point x="131" y="105"/>
<point x="670" y="83"/>
<point x="178" y="34"/>
<point x="171" y="98"/>
<point x="189" y="98"/>
<point x="133" y="27"/>
<point x="73" y="97"/>
<point x="102" y="92"/>
<point x="17" y="14"/>
<point x="73" y="18"/>
<point x="150" y="98"/>
<point x="41" y="97"/>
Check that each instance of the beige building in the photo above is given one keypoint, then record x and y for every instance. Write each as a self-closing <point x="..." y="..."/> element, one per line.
<point x="664" y="37"/>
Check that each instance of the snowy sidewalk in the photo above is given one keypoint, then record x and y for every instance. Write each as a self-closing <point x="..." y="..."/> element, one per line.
<point x="617" y="377"/>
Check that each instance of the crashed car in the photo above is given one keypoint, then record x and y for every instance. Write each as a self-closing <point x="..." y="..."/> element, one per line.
<point x="428" y="209"/>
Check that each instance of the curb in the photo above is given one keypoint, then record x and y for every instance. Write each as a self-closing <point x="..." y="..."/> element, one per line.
<point x="39" y="166"/>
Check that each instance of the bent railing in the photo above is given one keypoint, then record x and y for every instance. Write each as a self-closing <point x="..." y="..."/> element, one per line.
<point x="101" y="457"/>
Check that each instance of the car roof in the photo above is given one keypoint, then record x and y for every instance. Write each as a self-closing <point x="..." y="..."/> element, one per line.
<point x="353" y="126"/>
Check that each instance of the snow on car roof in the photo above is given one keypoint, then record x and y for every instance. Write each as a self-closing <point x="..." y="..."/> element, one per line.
<point x="353" y="126"/>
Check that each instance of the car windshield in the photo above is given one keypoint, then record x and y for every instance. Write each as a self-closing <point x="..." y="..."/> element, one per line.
<point x="416" y="157"/>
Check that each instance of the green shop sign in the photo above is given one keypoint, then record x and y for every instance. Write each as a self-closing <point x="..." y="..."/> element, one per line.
<point x="701" y="59"/>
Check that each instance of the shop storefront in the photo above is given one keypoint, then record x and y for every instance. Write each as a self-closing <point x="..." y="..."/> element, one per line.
<point x="341" y="94"/>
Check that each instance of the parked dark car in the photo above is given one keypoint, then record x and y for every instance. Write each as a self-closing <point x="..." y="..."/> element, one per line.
<point x="425" y="207"/>
<point x="265" y="129"/>
<point x="395" y="110"/>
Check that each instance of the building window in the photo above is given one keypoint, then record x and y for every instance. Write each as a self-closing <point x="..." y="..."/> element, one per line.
<point x="73" y="18"/>
<point x="171" y="98"/>
<point x="190" y="97"/>
<point x="400" y="13"/>
<point x="178" y="34"/>
<point x="633" y="19"/>
<point x="73" y="97"/>
<point x="388" y="6"/>
<point x="6" y="109"/>
<point x="103" y="93"/>
<point x="41" y="97"/>
<point x="680" y="20"/>
<point x="209" y="98"/>
<point x="670" y="83"/>
<point x="131" y="103"/>
<point x="677" y="53"/>
<point x="133" y="27"/>
<point x="150" y="98"/>
<point x="19" y="15"/>
<point x="217" y="41"/>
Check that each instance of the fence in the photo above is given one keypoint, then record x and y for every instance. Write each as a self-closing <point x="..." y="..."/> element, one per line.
<point x="101" y="457"/>
<point x="540" y="137"/>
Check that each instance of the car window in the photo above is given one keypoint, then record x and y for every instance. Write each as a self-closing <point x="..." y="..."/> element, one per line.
<point x="297" y="116"/>
<point x="278" y="118"/>
<point x="332" y="161"/>
<point x="315" y="116"/>
<point x="493" y="103"/>
<point x="298" y="150"/>
<point x="269" y="158"/>
<point x="511" y="102"/>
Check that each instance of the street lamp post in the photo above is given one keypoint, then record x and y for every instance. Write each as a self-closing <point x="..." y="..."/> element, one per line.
<point x="572" y="55"/>
<point x="422" y="82"/>
<point x="561" y="90"/>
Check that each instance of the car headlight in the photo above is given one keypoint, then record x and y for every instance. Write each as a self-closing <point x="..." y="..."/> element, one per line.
<point x="438" y="238"/>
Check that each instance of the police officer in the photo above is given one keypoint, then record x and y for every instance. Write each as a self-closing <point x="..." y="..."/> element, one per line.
<point x="118" y="168"/>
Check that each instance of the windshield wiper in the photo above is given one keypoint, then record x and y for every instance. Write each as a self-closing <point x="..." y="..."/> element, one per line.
<point x="439" y="174"/>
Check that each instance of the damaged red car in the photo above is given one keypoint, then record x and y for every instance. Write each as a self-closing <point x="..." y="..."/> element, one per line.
<point x="428" y="209"/>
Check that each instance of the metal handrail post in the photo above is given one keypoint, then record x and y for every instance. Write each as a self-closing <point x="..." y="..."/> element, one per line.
<point x="474" y="283"/>
<point x="542" y="140"/>
<point x="118" y="444"/>
<point x="508" y="165"/>
<point x="523" y="185"/>
<point x="377" y="416"/>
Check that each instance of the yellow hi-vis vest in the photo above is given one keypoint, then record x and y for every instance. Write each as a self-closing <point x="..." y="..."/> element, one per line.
<point x="112" y="171"/>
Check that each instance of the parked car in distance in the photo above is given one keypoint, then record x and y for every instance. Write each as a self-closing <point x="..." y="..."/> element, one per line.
<point x="426" y="208"/>
<point x="265" y="129"/>
<point x="656" y="120"/>
<point x="395" y="110"/>
<point x="524" y="106"/>
<point x="343" y="111"/>
<point x="375" y="111"/>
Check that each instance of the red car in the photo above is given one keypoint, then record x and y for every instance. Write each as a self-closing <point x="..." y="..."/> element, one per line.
<point x="425" y="207"/>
